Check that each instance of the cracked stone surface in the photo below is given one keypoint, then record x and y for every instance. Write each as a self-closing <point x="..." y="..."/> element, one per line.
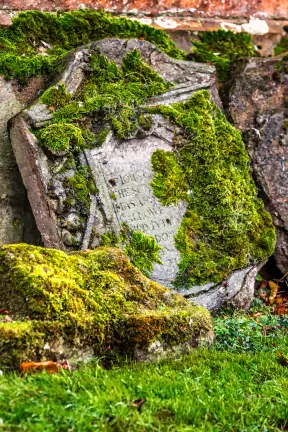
<point x="258" y="105"/>
<point x="16" y="220"/>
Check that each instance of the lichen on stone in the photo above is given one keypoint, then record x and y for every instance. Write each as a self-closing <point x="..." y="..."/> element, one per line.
<point x="92" y="298"/>
<point x="226" y="226"/>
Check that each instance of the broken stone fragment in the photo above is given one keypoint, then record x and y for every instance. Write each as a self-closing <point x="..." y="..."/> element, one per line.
<point x="258" y="106"/>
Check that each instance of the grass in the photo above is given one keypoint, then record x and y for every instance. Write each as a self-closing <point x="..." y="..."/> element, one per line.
<point x="209" y="390"/>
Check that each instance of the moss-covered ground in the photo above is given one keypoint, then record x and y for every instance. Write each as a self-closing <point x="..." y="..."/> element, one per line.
<point x="212" y="390"/>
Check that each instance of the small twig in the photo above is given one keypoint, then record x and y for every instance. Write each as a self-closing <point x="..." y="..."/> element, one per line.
<point x="283" y="277"/>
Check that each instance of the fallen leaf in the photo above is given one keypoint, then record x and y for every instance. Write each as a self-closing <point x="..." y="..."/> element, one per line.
<point x="282" y="358"/>
<point x="138" y="403"/>
<point x="49" y="366"/>
<point x="279" y="300"/>
<point x="281" y="310"/>
<point x="273" y="291"/>
<point x="4" y="312"/>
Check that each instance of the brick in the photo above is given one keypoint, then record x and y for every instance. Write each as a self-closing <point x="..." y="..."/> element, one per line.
<point x="5" y="20"/>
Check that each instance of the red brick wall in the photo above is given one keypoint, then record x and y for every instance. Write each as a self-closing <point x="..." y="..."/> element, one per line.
<point x="209" y="8"/>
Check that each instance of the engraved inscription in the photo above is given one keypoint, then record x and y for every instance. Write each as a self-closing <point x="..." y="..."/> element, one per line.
<point x="126" y="169"/>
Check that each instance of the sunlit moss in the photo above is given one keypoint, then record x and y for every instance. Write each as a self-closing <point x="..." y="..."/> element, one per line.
<point x="87" y="298"/>
<point x="143" y="250"/>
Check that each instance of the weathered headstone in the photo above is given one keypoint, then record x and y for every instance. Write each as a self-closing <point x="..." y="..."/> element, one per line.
<point x="120" y="167"/>
<point x="122" y="171"/>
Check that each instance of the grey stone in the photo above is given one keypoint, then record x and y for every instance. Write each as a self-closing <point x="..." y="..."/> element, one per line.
<point x="160" y="351"/>
<point x="16" y="221"/>
<point x="128" y="164"/>
<point x="258" y="107"/>
<point x="72" y="222"/>
<point x="236" y="291"/>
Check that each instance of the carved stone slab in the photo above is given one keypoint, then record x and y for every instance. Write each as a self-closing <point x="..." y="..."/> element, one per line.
<point x="123" y="172"/>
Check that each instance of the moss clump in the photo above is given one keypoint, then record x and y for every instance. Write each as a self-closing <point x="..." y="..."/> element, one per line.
<point x="56" y="97"/>
<point x="61" y="137"/>
<point x="221" y="48"/>
<point x="226" y="226"/>
<point x="143" y="250"/>
<point x="282" y="46"/>
<point x="169" y="182"/>
<point x="92" y="297"/>
<point x="20" y="57"/>
<point x="145" y="122"/>
<point x="285" y="125"/>
<point x="110" y="95"/>
<point x="80" y="187"/>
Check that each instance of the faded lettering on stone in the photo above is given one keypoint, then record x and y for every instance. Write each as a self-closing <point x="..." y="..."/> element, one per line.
<point x="126" y="174"/>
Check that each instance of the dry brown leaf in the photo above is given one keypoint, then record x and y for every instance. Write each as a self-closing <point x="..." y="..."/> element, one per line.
<point x="282" y="358"/>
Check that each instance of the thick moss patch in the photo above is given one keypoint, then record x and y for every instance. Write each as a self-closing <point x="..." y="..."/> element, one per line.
<point x="20" y="44"/>
<point x="91" y="297"/>
<point x="226" y="226"/>
<point x="282" y="46"/>
<point x="143" y="250"/>
<point x="221" y="48"/>
<point x="110" y="97"/>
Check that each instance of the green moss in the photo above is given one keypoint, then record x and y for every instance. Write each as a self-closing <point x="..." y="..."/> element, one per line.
<point x="65" y="31"/>
<point x="145" y="121"/>
<point x="113" y="196"/>
<point x="56" y="97"/>
<point x="101" y="137"/>
<point x="111" y="94"/>
<point x="143" y="250"/>
<point x="169" y="183"/>
<point x="282" y="46"/>
<point x="221" y="48"/>
<point x="81" y="186"/>
<point x="285" y="125"/>
<point x="24" y="340"/>
<point x="92" y="297"/>
<point x="61" y="137"/>
<point x="226" y="226"/>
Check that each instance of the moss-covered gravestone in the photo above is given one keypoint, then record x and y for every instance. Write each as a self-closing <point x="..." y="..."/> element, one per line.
<point x="130" y="143"/>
